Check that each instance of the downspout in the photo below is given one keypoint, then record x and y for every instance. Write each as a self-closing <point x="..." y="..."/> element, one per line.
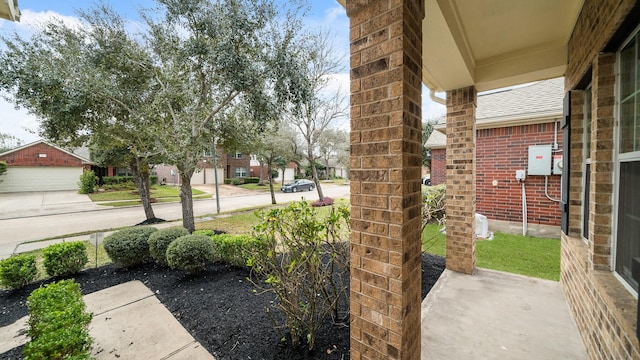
<point x="439" y="100"/>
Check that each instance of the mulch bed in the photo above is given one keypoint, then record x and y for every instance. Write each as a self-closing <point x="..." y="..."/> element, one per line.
<point x="218" y="307"/>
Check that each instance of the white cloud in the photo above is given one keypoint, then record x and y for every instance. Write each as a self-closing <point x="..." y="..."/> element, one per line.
<point x="30" y="19"/>
<point x="335" y="13"/>
<point x="18" y="123"/>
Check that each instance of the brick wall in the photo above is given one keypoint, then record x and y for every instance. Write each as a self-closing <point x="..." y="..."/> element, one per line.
<point x="33" y="156"/>
<point x="596" y="25"/>
<point x="438" y="166"/>
<point x="386" y="158"/>
<point x="499" y="153"/>
<point x="230" y="163"/>
<point x="604" y="309"/>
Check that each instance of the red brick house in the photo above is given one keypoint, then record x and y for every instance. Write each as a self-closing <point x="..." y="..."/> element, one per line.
<point x="466" y="47"/>
<point x="230" y="166"/>
<point x="508" y="122"/>
<point x="42" y="166"/>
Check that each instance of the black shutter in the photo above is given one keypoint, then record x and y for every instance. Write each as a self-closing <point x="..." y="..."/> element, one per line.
<point x="565" y="124"/>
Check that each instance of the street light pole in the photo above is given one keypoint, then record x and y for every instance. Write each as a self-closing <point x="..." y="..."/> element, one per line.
<point x="215" y="174"/>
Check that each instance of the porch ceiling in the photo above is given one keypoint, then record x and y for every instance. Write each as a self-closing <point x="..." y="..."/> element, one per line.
<point x="9" y="10"/>
<point x="495" y="43"/>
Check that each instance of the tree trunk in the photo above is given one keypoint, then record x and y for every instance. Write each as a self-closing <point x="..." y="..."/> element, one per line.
<point x="270" y="177"/>
<point x="314" y="171"/>
<point x="261" y="181"/>
<point x="141" y="178"/>
<point x="188" y="221"/>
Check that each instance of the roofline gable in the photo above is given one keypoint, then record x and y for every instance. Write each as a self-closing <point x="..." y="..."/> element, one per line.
<point x="41" y="141"/>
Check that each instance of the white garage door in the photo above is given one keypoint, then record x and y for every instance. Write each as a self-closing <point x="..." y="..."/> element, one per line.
<point x="40" y="178"/>
<point x="198" y="177"/>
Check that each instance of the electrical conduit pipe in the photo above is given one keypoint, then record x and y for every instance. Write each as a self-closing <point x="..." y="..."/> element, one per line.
<point x="524" y="211"/>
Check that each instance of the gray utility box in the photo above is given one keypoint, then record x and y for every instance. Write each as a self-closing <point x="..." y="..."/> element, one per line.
<point x="539" y="160"/>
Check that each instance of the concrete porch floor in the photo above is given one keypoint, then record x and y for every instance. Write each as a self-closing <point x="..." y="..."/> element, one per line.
<point x="496" y="315"/>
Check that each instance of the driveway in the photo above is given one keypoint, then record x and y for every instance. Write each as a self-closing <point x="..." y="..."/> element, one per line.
<point x="25" y="204"/>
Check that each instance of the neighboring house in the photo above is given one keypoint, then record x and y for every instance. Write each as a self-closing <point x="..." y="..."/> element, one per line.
<point x="42" y="166"/>
<point x="466" y="47"/>
<point x="230" y="166"/>
<point x="289" y="171"/>
<point x="508" y="123"/>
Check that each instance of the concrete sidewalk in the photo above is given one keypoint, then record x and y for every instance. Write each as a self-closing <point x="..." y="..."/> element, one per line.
<point x="497" y="315"/>
<point x="129" y="322"/>
<point x="8" y="249"/>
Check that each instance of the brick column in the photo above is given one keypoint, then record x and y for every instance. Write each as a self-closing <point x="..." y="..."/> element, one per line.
<point x="461" y="179"/>
<point x="386" y="155"/>
<point x="601" y="187"/>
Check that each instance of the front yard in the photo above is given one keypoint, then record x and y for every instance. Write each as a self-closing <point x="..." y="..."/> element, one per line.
<point x="525" y="255"/>
<point x="161" y="193"/>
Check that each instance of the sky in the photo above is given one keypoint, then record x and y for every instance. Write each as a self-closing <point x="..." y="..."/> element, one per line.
<point x="324" y="14"/>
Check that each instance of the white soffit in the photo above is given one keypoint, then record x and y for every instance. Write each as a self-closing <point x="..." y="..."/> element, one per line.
<point x="495" y="43"/>
<point x="500" y="42"/>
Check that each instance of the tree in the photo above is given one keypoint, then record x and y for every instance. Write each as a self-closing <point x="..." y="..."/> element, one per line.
<point x="331" y="144"/>
<point x="274" y="149"/>
<point x="427" y="129"/>
<point x="8" y="142"/>
<point x="166" y="91"/>
<point x="209" y="58"/>
<point x="316" y="112"/>
<point x="86" y="84"/>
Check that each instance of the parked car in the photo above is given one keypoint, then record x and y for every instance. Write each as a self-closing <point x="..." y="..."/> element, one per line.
<point x="426" y="181"/>
<point x="298" y="185"/>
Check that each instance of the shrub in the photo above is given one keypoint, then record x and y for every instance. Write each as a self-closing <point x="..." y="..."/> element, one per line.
<point x="3" y="167"/>
<point x="190" y="253"/>
<point x="209" y="232"/>
<point x="434" y="199"/>
<point x="236" y="250"/>
<point x="305" y="263"/>
<point x="113" y="180"/>
<point x="153" y="179"/>
<point x="18" y="270"/>
<point x="87" y="183"/>
<point x="130" y="246"/>
<point x="325" y="202"/>
<point x="251" y="180"/>
<point x="159" y="242"/>
<point x="65" y="258"/>
<point x="58" y="323"/>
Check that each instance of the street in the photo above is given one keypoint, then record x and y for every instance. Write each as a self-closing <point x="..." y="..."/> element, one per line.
<point x="18" y="230"/>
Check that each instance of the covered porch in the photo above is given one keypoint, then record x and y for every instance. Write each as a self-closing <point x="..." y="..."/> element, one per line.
<point x="459" y="47"/>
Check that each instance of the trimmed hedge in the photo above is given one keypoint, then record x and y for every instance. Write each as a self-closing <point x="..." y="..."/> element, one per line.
<point x="18" y="270"/>
<point x="113" y="180"/>
<point x="236" y="249"/>
<point x="159" y="242"/>
<point x="58" y="323"/>
<point x="190" y="253"/>
<point x="65" y="258"/>
<point x="251" y="180"/>
<point x="130" y="246"/>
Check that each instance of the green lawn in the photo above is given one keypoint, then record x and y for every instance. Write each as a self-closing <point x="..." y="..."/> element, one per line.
<point x="242" y="222"/>
<point x="264" y="187"/>
<point x="525" y="255"/>
<point x="161" y="193"/>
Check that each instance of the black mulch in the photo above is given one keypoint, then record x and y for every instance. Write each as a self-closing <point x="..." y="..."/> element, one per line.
<point x="218" y="308"/>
